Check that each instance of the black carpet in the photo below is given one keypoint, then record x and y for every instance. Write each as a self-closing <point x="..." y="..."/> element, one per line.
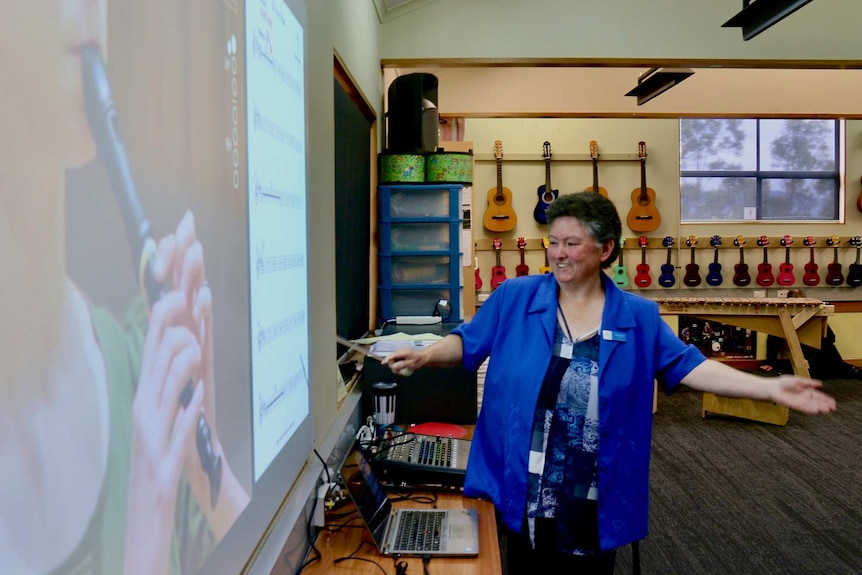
<point x="738" y="497"/>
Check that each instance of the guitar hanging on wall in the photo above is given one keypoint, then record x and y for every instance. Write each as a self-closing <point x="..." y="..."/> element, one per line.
<point x="834" y="275"/>
<point x="643" y="215"/>
<point x="642" y="277"/>
<point x="785" y="269"/>
<point x="498" y="272"/>
<point x="713" y="277"/>
<point x="545" y="269"/>
<point x="594" y="153"/>
<point x="477" y="283"/>
<point x="854" y="273"/>
<point x="667" y="278"/>
<point x="810" y="277"/>
<point x="546" y="194"/>
<point x="741" y="277"/>
<point x="764" y="277"/>
<point x="499" y="215"/>
<point x="620" y="274"/>
<point x="522" y="269"/>
<point x="692" y="270"/>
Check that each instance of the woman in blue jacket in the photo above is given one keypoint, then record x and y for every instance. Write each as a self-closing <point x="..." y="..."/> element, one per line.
<point x="562" y="443"/>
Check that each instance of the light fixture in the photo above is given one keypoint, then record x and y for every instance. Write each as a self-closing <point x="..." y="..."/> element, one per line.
<point x="759" y="15"/>
<point x="656" y="81"/>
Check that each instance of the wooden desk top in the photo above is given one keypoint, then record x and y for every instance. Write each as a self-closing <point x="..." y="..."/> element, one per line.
<point x="346" y="541"/>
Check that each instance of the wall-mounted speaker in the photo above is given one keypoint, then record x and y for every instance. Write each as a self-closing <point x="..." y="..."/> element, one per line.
<point x="412" y="118"/>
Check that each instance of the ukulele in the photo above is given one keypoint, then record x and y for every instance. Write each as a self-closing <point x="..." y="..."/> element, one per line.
<point x="545" y="269"/>
<point x="713" y="277"/>
<point x="692" y="270"/>
<point x="854" y="275"/>
<point x="741" y="277"/>
<point x="545" y="192"/>
<point x="620" y="275"/>
<point x="642" y="277"/>
<point x="834" y="276"/>
<point x="522" y="269"/>
<point x="764" y="276"/>
<point x="498" y="272"/>
<point x="594" y="153"/>
<point x="785" y="270"/>
<point x="499" y="216"/>
<point x="643" y="215"/>
<point x="478" y="281"/>
<point x="811" y="277"/>
<point x="667" y="278"/>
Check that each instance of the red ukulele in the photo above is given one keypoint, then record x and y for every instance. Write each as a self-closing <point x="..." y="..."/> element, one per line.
<point x="785" y="270"/>
<point x="834" y="275"/>
<point x="642" y="277"/>
<point x="764" y="276"/>
<point x="478" y="281"/>
<point x="498" y="272"/>
<point x="810" y="277"/>
<point x="522" y="269"/>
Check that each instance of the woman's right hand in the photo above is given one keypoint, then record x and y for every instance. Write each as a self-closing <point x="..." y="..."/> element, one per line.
<point x="162" y="432"/>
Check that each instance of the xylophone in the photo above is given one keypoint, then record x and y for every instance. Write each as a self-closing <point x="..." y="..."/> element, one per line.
<point x="798" y="320"/>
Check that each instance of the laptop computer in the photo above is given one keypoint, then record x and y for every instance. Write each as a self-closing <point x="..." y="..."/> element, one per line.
<point x="410" y="531"/>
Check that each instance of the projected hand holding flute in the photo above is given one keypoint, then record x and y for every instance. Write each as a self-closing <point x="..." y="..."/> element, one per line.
<point x="175" y="264"/>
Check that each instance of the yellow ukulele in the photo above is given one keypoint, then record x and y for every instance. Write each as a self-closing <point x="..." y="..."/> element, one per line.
<point x="499" y="216"/>
<point x="545" y="269"/>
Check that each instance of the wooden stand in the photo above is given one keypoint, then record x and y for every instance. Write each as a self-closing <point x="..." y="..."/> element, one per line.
<point x="797" y="320"/>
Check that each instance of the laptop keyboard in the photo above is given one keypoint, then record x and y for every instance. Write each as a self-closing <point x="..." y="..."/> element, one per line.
<point x="420" y="530"/>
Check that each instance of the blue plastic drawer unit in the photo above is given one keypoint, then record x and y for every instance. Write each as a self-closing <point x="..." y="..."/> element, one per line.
<point x="420" y="256"/>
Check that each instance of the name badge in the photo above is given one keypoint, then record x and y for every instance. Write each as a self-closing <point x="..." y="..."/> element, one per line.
<point x="609" y="335"/>
<point x="566" y="349"/>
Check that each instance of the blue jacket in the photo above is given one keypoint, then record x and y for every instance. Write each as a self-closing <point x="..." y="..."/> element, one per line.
<point x="515" y="327"/>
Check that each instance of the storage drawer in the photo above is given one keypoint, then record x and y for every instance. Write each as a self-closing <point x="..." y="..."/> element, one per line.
<point x="416" y="269"/>
<point x="417" y="237"/>
<point x="430" y="201"/>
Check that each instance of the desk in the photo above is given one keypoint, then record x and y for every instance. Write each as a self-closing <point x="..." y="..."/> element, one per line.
<point x="797" y="320"/>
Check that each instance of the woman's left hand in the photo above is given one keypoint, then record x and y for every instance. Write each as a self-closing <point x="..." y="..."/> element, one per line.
<point x="802" y="394"/>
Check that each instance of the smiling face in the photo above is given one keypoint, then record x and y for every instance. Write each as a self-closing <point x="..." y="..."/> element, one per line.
<point x="42" y="97"/>
<point x="575" y="255"/>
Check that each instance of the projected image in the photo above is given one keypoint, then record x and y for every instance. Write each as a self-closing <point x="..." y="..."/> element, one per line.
<point x="277" y="227"/>
<point x="125" y="416"/>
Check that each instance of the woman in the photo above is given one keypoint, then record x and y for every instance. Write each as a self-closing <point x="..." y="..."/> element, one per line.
<point x="99" y="468"/>
<point x="562" y="443"/>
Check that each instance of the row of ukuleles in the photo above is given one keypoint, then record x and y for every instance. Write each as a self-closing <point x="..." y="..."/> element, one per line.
<point x="643" y="216"/>
<point x="765" y="275"/>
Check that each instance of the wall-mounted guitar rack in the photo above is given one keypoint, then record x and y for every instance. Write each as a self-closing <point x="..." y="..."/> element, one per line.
<point x="557" y="158"/>
<point x="703" y="242"/>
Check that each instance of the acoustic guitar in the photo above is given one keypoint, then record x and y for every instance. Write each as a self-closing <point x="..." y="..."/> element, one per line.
<point x="692" y="270"/>
<point x="667" y="278"/>
<point x="498" y="272"/>
<point x="642" y="277"/>
<point x="713" y="276"/>
<point x="854" y="273"/>
<point x="834" y="274"/>
<point x="764" y="277"/>
<point x="546" y="194"/>
<point x="499" y="215"/>
<point x="477" y="283"/>
<point x="620" y="274"/>
<point x="810" y="277"/>
<point x="643" y="215"/>
<point x="545" y="269"/>
<point x="522" y="269"/>
<point x="594" y="154"/>
<point x="785" y="269"/>
<point x="741" y="277"/>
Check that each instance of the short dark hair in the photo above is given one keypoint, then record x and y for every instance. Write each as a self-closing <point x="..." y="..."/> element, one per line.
<point x="596" y="212"/>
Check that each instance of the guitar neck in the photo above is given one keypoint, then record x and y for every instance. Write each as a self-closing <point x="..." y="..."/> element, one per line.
<point x="644" y="196"/>
<point x="500" y="197"/>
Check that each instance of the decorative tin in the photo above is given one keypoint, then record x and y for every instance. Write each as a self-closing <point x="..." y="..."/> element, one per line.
<point x="449" y="167"/>
<point x="401" y="168"/>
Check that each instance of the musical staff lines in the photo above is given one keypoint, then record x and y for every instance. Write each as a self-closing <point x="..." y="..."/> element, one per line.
<point x="272" y="264"/>
<point x="267" y="335"/>
<point x="264" y="193"/>
<point x="263" y="51"/>
<point x="270" y="402"/>
<point x="276" y="131"/>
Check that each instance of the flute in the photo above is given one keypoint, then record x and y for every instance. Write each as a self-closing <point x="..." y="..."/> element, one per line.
<point x="104" y="126"/>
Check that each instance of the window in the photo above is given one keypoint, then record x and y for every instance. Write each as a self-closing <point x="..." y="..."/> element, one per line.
<point x="760" y="170"/>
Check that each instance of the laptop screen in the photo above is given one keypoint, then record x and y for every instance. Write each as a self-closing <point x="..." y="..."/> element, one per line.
<point x="371" y="501"/>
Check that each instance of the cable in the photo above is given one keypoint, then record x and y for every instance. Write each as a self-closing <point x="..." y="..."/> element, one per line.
<point x="308" y="523"/>
<point x="426" y="559"/>
<point x="353" y="557"/>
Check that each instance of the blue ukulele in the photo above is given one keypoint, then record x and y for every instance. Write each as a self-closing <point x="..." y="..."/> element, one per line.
<point x="667" y="278"/>
<point x="546" y="194"/>
<point x="713" y="277"/>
